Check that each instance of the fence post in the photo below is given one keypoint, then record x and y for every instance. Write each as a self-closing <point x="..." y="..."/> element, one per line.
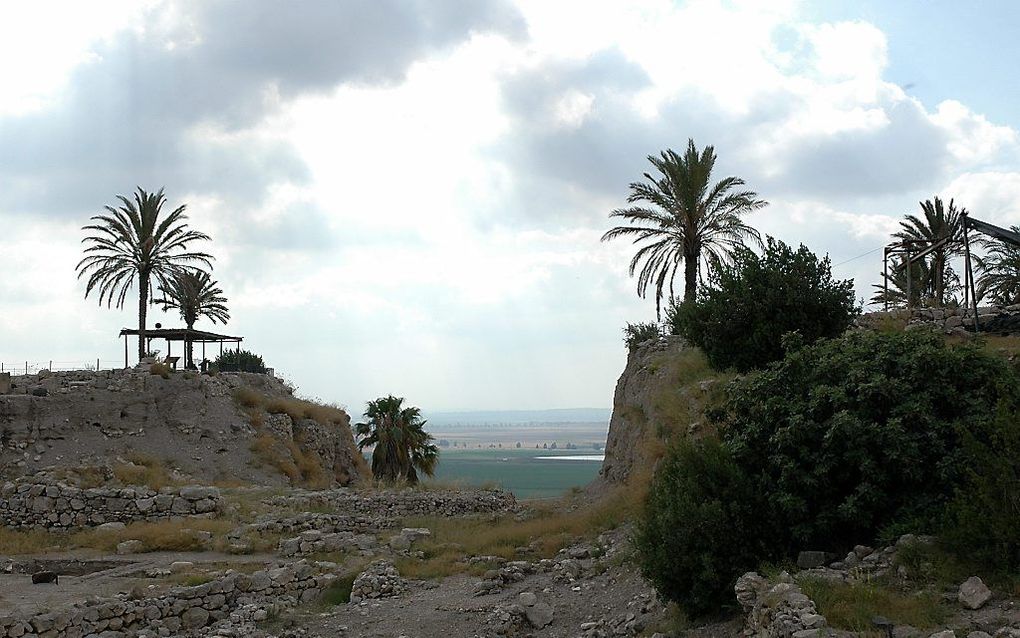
<point x="26" y="368"/>
<point x="51" y="365"/>
<point x="97" y="364"/>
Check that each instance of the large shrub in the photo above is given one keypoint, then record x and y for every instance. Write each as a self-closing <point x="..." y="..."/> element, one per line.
<point x="240" y="361"/>
<point x="855" y="435"/>
<point x="740" y="318"/>
<point x="845" y="441"/>
<point x="982" y="520"/>
<point x="702" y="527"/>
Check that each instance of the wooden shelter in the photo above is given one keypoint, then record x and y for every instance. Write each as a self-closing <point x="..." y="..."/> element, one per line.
<point x="183" y="335"/>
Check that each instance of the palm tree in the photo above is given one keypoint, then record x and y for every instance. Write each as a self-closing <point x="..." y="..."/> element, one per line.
<point x="402" y="446"/>
<point x="896" y="294"/>
<point x="685" y="215"/>
<point x="194" y="294"/>
<point x="133" y="242"/>
<point x="939" y="223"/>
<point x="1000" y="271"/>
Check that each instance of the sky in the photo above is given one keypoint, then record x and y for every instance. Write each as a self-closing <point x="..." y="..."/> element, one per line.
<point x="406" y="196"/>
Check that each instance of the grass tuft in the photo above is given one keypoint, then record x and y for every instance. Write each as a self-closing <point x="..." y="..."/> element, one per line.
<point x="852" y="606"/>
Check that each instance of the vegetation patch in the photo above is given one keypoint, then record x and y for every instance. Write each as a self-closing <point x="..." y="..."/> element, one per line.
<point x="143" y="469"/>
<point x="852" y="606"/>
<point x="741" y="318"/>
<point x="549" y="530"/>
<point x="851" y="440"/>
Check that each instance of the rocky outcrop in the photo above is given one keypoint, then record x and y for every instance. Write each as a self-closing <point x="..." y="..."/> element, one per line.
<point x="27" y="504"/>
<point x="635" y="408"/>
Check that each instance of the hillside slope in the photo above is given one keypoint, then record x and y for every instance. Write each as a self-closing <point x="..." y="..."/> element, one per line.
<point x="185" y="427"/>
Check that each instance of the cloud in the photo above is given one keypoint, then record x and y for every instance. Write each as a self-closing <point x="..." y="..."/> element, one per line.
<point x="178" y="103"/>
<point x="815" y="120"/>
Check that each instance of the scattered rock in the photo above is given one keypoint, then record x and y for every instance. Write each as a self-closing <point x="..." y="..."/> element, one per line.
<point x="527" y="599"/>
<point x="132" y="546"/>
<point x="973" y="593"/>
<point x="811" y="559"/>
<point x="539" y="615"/>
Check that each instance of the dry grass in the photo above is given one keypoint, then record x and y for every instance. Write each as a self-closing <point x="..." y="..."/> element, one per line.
<point x="173" y="535"/>
<point x="176" y="535"/>
<point x="301" y="467"/>
<point x="248" y="398"/>
<point x="16" y="542"/>
<point x="547" y="532"/>
<point x="298" y="409"/>
<point x="145" y="470"/>
<point x="852" y="606"/>
<point x="1006" y="346"/>
<point x="160" y="370"/>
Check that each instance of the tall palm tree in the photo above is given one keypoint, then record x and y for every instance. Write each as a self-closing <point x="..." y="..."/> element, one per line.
<point x="939" y="223"/>
<point x="402" y="446"/>
<point x="1000" y="271"/>
<point x="683" y="214"/>
<point x="194" y="294"/>
<point x="134" y="242"/>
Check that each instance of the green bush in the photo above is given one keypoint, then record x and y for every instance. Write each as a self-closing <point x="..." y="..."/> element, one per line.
<point x="741" y="316"/>
<point x="983" y="518"/>
<point x="846" y="441"/>
<point x="239" y="361"/>
<point x="637" y="333"/>
<point x="702" y="527"/>
<point x="865" y="433"/>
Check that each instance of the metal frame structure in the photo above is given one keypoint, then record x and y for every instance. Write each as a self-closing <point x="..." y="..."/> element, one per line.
<point x="991" y="230"/>
<point x="904" y="247"/>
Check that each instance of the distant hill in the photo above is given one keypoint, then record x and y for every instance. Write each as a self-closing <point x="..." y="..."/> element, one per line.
<point x="518" y="417"/>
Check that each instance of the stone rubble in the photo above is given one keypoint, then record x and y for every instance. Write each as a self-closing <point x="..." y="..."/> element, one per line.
<point x="380" y="580"/>
<point x="182" y="611"/>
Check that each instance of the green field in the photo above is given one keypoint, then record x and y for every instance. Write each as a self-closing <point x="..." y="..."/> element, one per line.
<point x="518" y="470"/>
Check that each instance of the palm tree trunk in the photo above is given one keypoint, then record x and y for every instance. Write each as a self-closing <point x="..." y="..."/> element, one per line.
<point x="691" y="258"/>
<point x="143" y="307"/>
<point x="188" y="345"/>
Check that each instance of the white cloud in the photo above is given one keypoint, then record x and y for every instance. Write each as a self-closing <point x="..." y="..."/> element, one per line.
<point x="426" y="221"/>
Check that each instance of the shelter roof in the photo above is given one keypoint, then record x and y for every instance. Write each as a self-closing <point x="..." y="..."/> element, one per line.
<point x="181" y="334"/>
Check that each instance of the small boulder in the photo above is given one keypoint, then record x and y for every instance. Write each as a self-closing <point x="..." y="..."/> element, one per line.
<point x="974" y="593"/>
<point x="810" y="560"/>
<point x="945" y="633"/>
<point x="112" y="526"/>
<point x="44" y="577"/>
<point x="181" y="566"/>
<point x="527" y="599"/>
<point x="132" y="546"/>
<point x="539" y="615"/>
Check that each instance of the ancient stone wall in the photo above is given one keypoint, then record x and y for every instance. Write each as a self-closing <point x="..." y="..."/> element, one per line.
<point x="390" y="504"/>
<point x="182" y="611"/>
<point x="951" y="320"/>
<point x="28" y="504"/>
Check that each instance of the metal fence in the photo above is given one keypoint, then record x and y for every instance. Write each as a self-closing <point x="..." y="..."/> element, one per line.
<point x="32" y="367"/>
